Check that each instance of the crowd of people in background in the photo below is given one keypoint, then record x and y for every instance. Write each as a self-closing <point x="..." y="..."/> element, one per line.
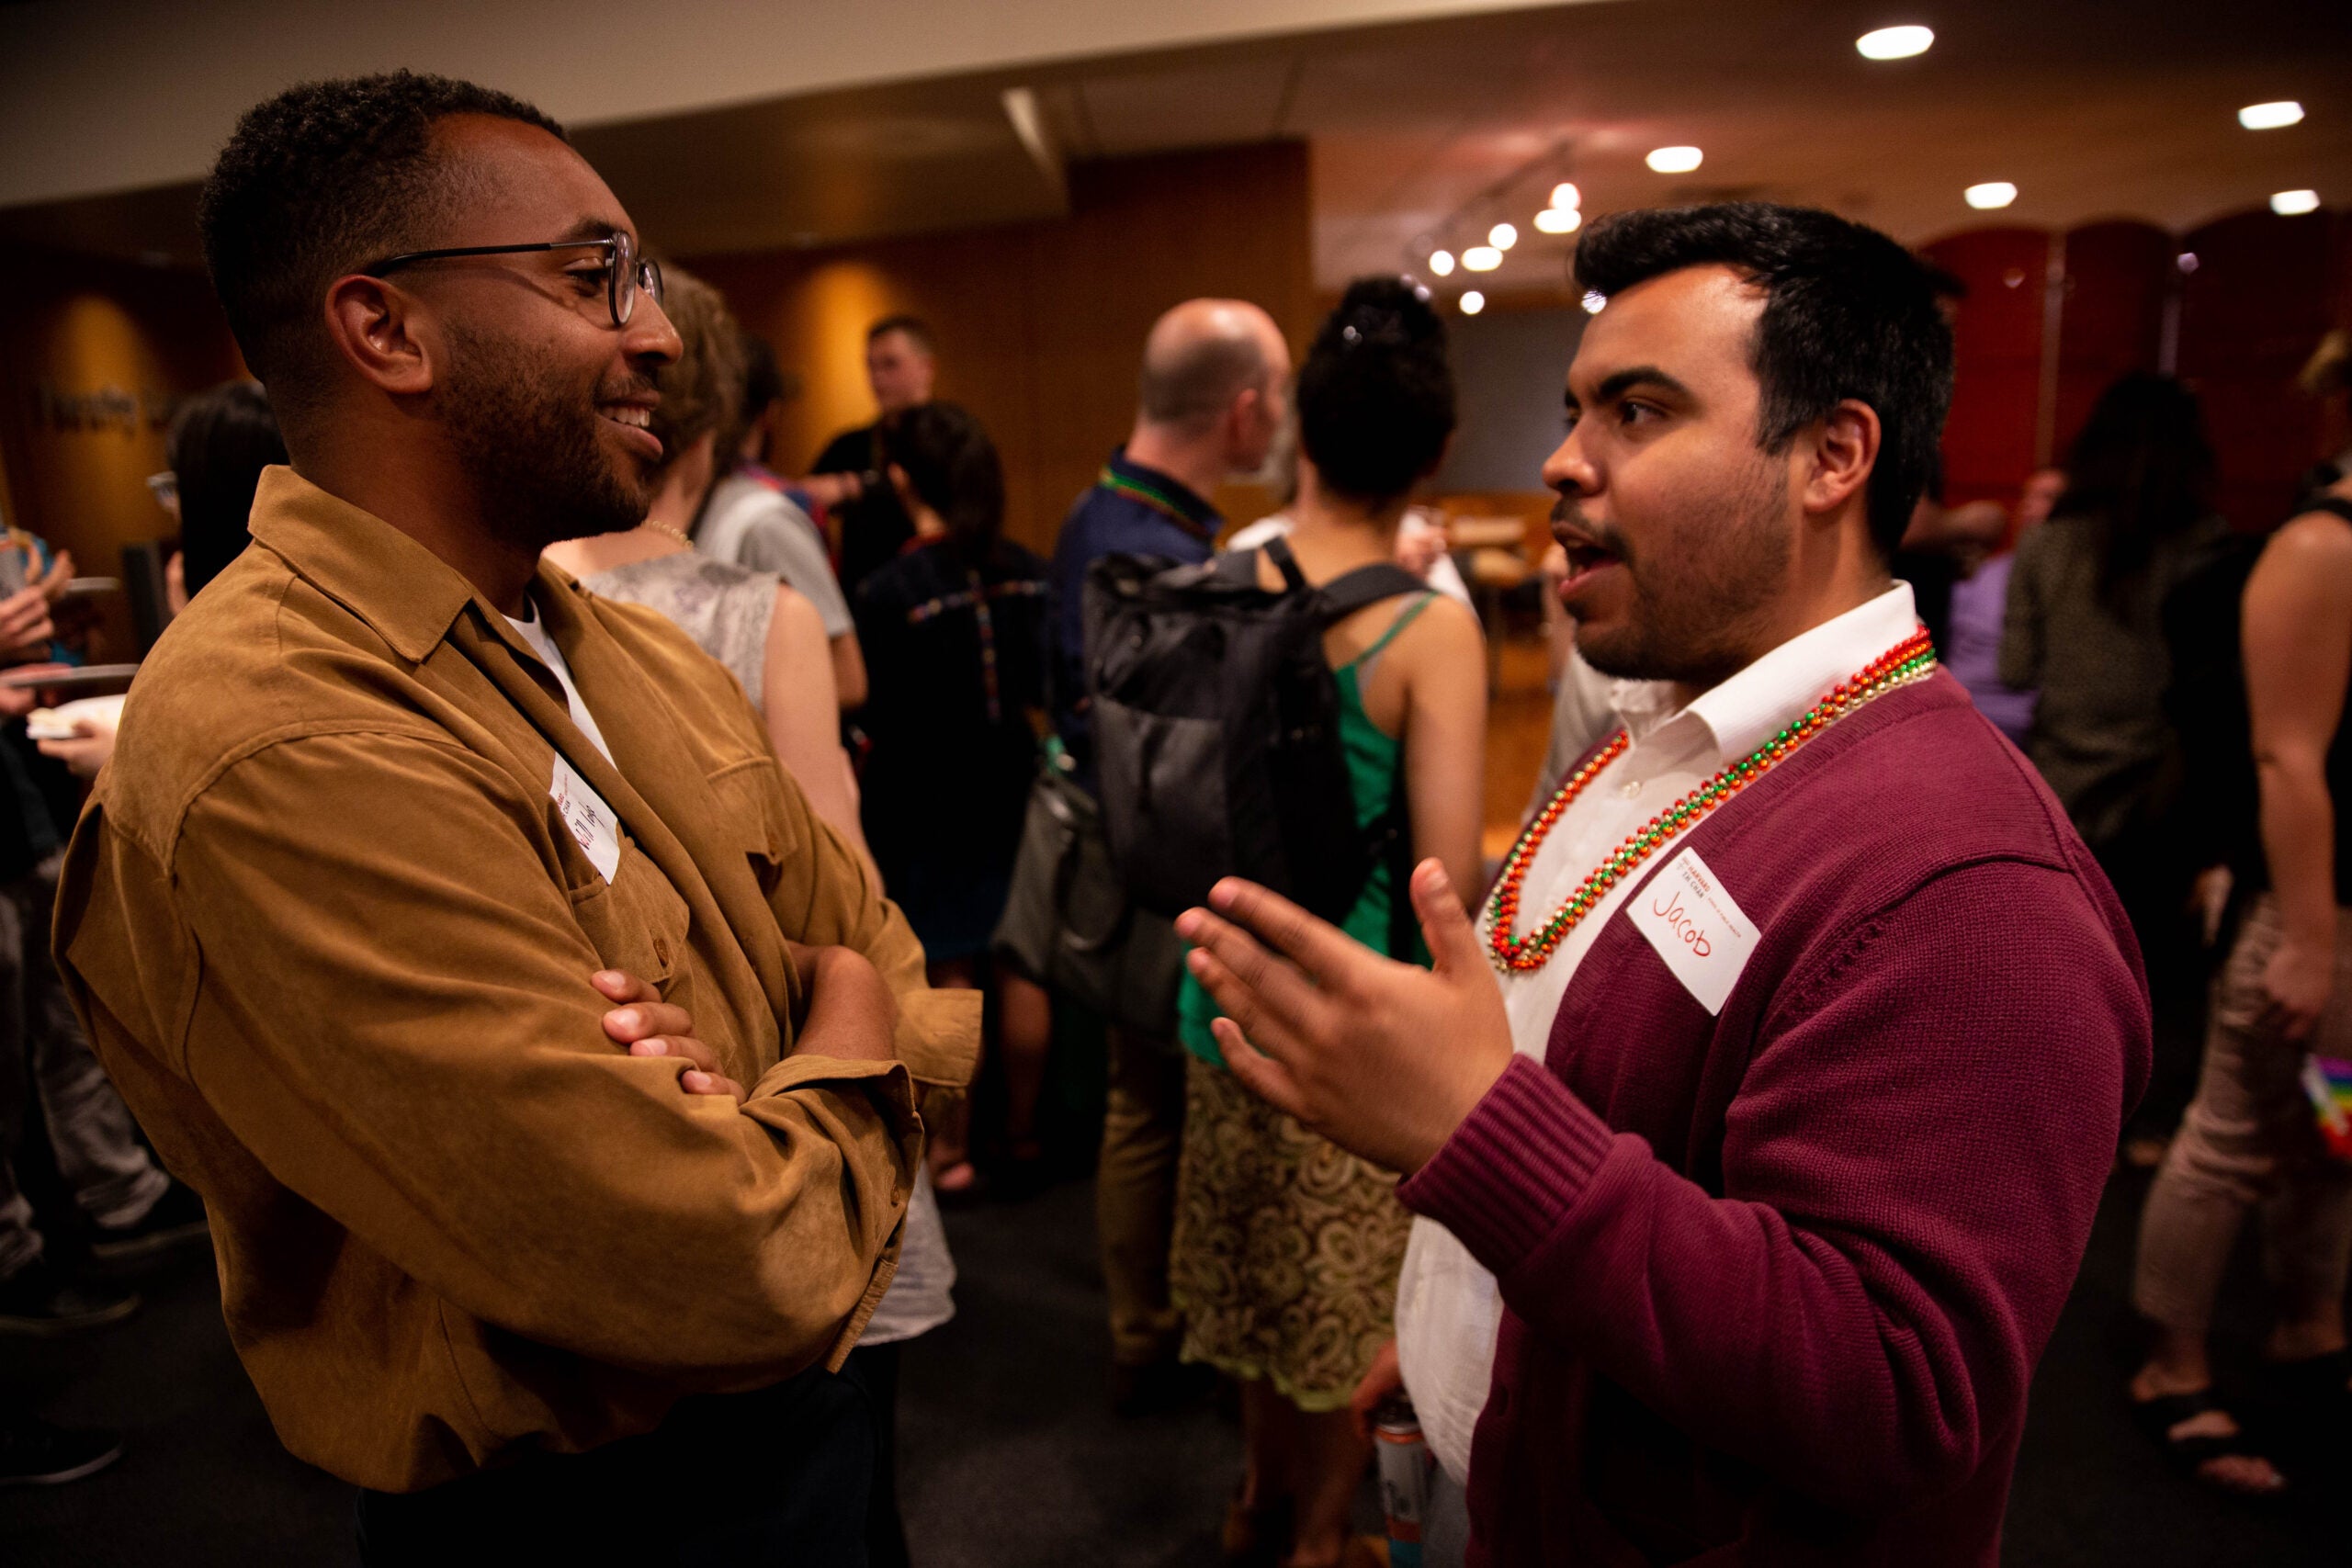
<point x="2177" y="680"/>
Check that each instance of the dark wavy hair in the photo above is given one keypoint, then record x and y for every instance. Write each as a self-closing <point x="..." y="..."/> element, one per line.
<point x="321" y="181"/>
<point x="1376" y="394"/>
<point x="952" y="467"/>
<point x="220" y="442"/>
<point x="1848" y="313"/>
<point x="2141" y="471"/>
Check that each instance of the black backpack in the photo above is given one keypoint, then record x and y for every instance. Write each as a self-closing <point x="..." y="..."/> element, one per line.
<point x="1216" y="732"/>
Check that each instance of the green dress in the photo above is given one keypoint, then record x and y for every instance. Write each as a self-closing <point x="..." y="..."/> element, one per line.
<point x="1287" y="1247"/>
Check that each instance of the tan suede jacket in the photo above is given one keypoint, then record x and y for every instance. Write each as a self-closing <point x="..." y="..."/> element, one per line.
<point x="333" y="939"/>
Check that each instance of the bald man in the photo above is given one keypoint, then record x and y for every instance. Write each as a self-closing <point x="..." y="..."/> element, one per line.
<point x="1213" y="394"/>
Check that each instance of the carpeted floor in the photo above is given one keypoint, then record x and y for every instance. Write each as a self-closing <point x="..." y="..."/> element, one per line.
<point x="1010" y="1456"/>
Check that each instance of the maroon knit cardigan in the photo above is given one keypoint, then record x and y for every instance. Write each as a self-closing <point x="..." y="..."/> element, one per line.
<point x="1775" y="1281"/>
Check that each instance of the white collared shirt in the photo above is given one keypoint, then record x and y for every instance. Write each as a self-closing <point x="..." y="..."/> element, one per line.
<point x="534" y="631"/>
<point x="1447" y="1306"/>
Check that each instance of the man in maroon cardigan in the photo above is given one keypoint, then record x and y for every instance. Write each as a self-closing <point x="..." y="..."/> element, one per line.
<point x="1779" y="1139"/>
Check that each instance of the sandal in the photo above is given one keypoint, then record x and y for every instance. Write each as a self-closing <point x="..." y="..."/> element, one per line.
<point x="2158" y="1416"/>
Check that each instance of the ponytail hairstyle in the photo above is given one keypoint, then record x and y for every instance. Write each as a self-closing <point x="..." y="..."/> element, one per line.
<point x="1375" y="395"/>
<point x="952" y="467"/>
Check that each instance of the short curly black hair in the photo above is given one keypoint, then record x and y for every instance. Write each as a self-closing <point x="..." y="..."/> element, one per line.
<point x="317" y="182"/>
<point x="1848" y="313"/>
<point x="1376" y="394"/>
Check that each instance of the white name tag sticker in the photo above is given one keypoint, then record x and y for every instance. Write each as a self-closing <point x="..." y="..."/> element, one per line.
<point x="1691" y="921"/>
<point x="594" y="827"/>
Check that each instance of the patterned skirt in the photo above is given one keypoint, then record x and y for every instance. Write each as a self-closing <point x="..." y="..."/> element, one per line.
<point x="1287" y="1247"/>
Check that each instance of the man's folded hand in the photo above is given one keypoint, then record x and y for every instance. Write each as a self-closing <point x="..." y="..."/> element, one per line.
<point x="648" y="1026"/>
<point x="851" y="1010"/>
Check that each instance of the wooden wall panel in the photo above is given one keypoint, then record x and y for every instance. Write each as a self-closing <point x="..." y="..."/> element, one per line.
<point x="2119" y="277"/>
<point x="1041" y="325"/>
<point x="94" y="358"/>
<point x="2251" y="314"/>
<point x="1990" y="439"/>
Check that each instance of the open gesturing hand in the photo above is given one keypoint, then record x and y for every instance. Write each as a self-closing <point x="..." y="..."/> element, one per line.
<point x="648" y="1026"/>
<point x="1382" y="1058"/>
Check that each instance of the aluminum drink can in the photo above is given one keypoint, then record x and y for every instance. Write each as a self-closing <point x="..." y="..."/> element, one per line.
<point x="1405" y="1465"/>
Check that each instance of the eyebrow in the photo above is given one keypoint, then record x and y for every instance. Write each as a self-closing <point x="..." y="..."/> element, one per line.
<point x="591" y="229"/>
<point x="1618" y="385"/>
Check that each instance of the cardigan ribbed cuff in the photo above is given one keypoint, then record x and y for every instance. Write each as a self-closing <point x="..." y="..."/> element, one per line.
<point x="1508" y="1175"/>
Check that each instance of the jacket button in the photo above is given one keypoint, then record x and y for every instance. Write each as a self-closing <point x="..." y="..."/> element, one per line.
<point x="662" y="952"/>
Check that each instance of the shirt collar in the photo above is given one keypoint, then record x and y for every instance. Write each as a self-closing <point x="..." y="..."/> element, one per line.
<point x="1742" y="712"/>
<point x="1172" y="496"/>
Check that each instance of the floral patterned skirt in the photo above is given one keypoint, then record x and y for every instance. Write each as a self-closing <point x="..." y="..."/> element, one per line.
<point x="1287" y="1247"/>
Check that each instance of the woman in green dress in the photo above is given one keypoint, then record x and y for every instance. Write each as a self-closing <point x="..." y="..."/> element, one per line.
<point x="1287" y="1249"/>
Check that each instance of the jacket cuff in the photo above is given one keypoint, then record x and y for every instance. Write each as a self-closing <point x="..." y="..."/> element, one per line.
<point x="939" y="1036"/>
<point x="1509" y="1174"/>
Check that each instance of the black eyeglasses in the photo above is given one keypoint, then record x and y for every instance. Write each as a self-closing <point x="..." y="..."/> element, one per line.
<point x="626" y="272"/>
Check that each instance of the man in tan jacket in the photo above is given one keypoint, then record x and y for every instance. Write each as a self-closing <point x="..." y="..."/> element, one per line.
<point x="397" y="815"/>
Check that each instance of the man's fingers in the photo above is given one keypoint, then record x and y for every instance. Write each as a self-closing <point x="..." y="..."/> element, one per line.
<point x="642" y="1020"/>
<point x="618" y="986"/>
<point x="1249" y="983"/>
<point x="711" y="1084"/>
<point x="1322" y="949"/>
<point x="684" y="1047"/>
<point x="1453" y="941"/>
<point x="1259" y="1073"/>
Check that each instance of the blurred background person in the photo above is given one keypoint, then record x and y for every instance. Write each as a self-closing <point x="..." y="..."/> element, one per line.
<point x="1980" y="606"/>
<point x="953" y="630"/>
<point x="1287" y="1249"/>
<point x="2250" y="1137"/>
<point x="767" y="633"/>
<point x="871" y="520"/>
<point x="218" y="443"/>
<point x="756" y="517"/>
<point x="2090" y="626"/>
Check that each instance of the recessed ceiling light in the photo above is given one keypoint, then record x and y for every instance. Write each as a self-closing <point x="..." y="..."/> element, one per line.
<point x="1894" y="44"/>
<point x="1674" y="159"/>
<point x="1472" y="302"/>
<point x="1442" y="263"/>
<point x="2186" y="261"/>
<point x="1482" y="258"/>
<point x="1558" y="220"/>
<point x="1502" y="236"/>
<point x="2272" y="116"/>
<point x="1565" y="194"/>
<point x="1593" y="303"/>
<point x="2294" y="203"/>
<point x="1990" y="193"/>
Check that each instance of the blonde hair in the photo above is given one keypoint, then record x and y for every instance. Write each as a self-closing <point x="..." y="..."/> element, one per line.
<point x="704" y="390"/>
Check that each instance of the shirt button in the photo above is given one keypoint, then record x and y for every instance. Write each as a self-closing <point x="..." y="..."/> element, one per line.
<point x="660" y="952"/>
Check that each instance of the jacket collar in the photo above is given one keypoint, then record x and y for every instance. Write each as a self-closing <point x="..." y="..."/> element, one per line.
<point x="405" y="593"/>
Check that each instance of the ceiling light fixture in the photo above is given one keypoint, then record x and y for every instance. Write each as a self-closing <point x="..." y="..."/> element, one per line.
<point x="1894" y="44"/>
<point x="1472" y="302"/>
<point x="1442" y="263"/>
<point x="2294" y="203"/>
<point x="1482" y="258"/>
<point x="1502" y="236"/>
<point x="2272" y="116"/>
<point x="1558" y="220"/>
<point x="1674" y="159"/>
<point x="1990" y="193"/>
<point x="1593" y="303"/>
<point x="1565" y="194"/>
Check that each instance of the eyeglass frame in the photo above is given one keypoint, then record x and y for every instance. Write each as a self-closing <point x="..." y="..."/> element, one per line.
<point x="644" y="276"/>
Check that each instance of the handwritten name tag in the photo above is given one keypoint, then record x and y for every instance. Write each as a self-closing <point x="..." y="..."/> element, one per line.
<point x="594" y="825"/>
<point x="1685" y="914"/>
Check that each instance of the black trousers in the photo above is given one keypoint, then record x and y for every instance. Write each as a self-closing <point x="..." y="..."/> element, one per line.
<point x="777" y="1477"/>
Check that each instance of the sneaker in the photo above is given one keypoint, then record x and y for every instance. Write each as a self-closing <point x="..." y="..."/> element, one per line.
<point x="34" y="1453"/>
<point x="33" y="1300"/>
<point x="175" y="1220"/>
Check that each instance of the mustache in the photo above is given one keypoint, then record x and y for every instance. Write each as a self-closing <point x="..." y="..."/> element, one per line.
<point x="1571" y="527"/>
<point x="629" y="387"/>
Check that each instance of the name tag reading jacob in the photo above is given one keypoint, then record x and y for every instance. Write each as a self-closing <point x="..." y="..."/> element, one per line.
<point x="594" y="827"/>
<point x="1691" y="921"/>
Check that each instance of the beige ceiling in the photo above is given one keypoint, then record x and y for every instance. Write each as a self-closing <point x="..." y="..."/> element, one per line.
<point x="1428" y="132"/>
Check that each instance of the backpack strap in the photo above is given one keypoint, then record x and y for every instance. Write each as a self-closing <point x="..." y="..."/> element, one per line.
<point x="2333" y="503"/>
<point x="1277" y="550"/>
<point x="1351" y="592"/>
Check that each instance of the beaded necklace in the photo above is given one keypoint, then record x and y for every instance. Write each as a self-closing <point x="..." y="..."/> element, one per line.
<point x="1911" y="660"/>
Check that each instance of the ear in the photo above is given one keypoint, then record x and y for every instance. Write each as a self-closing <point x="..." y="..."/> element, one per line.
<point x="1841" y="454"/>
<point x="373" y="326"/>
